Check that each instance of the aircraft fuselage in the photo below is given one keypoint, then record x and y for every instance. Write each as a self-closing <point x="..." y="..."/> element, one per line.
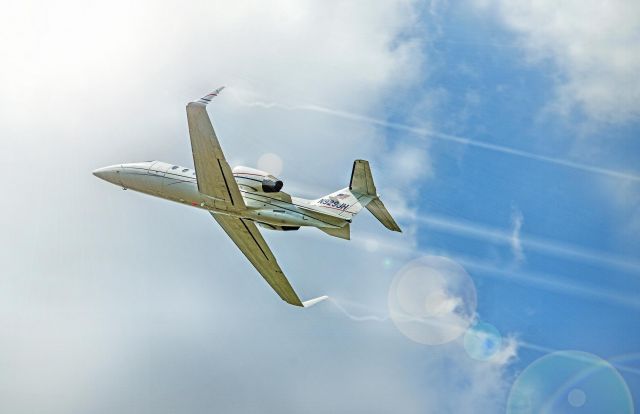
<point x="179" y="184"/>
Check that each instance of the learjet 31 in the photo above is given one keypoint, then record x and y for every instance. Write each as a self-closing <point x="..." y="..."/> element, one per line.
<point x="242" y="197"/>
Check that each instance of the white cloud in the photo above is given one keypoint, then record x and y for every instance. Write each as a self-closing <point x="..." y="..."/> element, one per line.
<point x="592" y="51"/>
<point x="117" y="302"/>
<point x="625" y="200"/>
<point x="484" y="384"/>
<point x="432" y="300"/>
<point x="595" y="46"/>
<point x="507" y="353"/>
<point x="514" y="241"/>
<point x="409" y="164"/>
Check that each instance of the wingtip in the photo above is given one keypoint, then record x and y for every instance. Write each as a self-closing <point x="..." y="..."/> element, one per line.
<point x="309" y="303"/>
<point x="207" y="98"/>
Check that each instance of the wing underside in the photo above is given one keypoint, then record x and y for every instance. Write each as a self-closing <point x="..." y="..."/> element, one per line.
<point x="247" y="237"/>
<point x="215" y="180"/>
<point x="214" y="176"/>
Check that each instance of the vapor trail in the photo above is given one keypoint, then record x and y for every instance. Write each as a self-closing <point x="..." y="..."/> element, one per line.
<point x="358" y="318"/>
<point x="469" y="229"/>
<point x="546" y="350"/>
<point x="370" y="317"/>
<point x="549" y="282"/>
<point x="534" y="243"/>
<point x="447" y="137"/>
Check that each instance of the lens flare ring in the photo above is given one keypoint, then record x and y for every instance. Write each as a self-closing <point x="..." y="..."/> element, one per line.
<point x="432" y="300"/>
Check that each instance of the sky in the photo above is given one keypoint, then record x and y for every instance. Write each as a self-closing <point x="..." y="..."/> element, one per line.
<point x="502" y="135"/>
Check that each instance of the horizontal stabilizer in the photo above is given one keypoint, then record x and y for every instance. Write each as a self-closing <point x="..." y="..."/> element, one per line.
<point x="311" y="302"/>
<point x="377" y="208"/>
<point x="341" y="232"/>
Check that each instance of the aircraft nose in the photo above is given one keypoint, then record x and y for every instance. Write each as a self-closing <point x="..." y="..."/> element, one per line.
<point x="110" y="174"/>
<point x="100" y="172"/>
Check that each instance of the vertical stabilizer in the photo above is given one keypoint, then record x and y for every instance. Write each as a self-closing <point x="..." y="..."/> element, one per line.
<point x="361" y="179"/>
<point x="362" y="183"/>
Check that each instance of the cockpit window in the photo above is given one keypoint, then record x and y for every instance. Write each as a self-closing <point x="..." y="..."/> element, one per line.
<point x="185" y="170"/>
<point x="175" y="167"/>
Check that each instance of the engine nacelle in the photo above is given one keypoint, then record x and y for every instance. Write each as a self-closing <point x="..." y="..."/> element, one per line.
<point x="271" y="186"/>
<point x="278" y="228"/>
<point x="257" y="180"/>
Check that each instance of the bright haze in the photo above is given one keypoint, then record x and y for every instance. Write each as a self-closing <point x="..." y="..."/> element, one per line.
<point x="502" y="135"/>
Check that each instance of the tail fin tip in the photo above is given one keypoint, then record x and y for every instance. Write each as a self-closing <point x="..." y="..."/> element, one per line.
<point x="361" y="179"/>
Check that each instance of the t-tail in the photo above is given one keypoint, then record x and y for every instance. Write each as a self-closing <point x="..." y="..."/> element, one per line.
<point x="348" y="202"/>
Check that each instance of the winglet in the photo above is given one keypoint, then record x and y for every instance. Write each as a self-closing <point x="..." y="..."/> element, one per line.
<point x="311" y="302"/>
<point x="207" y="98"/>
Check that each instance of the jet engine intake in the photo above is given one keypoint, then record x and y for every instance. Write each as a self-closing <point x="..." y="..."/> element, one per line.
<point x="270" y="185"/>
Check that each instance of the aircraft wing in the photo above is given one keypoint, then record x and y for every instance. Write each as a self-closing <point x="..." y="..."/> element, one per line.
<point x="213" y="173"/>
<point x="247" y="237"/>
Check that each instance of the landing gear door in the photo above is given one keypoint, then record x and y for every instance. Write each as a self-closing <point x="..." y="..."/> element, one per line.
<point x="156" y="176"/>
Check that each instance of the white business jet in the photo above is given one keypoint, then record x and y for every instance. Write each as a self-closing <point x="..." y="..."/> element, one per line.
<point x="239" y="199"/>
